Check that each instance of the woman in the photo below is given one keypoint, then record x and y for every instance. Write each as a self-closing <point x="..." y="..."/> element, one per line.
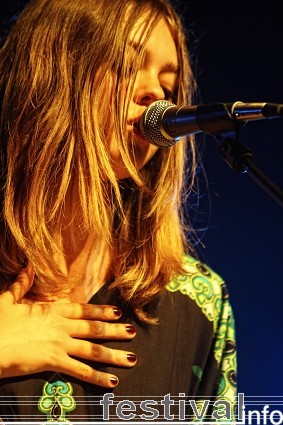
<point x="92" y="220"/>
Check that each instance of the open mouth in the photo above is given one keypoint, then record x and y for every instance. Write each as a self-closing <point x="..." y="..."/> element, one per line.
<point x="136" y="124"/>
<point x="135" y="127"/>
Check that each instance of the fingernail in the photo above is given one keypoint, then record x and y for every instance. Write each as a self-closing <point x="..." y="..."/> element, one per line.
<point x="130" y="329"/>
<point x="114" y="381"/>
<point x="117" y="311"/>
<point x="132" y="357"/>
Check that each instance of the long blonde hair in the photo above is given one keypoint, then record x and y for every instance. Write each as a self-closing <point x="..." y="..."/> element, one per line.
<point x="55" y="67"/>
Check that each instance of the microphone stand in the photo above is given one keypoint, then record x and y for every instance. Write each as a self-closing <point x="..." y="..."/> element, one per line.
<point x="241" y="160"/>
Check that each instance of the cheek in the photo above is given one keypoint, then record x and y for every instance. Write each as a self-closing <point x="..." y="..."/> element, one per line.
<point x="139" y="149"/>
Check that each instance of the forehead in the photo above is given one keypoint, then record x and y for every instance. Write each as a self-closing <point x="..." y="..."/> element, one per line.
<point x="147" y="24"/>
<point x="159" y="40"/>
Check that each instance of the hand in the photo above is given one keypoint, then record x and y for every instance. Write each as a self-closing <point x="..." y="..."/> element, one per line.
<point x="46" y="337"/>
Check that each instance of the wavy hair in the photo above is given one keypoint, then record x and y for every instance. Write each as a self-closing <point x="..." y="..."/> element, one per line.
<point x="62" y="75"/>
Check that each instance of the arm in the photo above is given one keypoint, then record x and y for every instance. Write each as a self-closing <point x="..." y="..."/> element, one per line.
<point x="54" y="337"/>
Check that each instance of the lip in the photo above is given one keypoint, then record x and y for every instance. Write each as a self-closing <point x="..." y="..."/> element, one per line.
<point x="134" y="122"/>
<point x="133" y="127"/>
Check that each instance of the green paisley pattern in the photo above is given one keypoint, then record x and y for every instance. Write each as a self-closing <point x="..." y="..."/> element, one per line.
<point x="203" y="286"/>
<point x="57" y="400"/>
<point x="208" y="290"/>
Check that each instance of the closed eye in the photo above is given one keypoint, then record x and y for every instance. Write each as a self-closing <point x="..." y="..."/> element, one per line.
<point x="169" y="95"/>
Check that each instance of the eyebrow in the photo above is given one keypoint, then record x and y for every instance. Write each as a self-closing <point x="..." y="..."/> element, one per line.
<point x="167" y="67"/>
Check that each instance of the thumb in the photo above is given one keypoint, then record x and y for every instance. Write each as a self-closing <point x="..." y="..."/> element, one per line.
<point x="22" y="284"/>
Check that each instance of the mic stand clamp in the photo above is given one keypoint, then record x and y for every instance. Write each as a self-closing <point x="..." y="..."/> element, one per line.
<point x="241" y="160"/>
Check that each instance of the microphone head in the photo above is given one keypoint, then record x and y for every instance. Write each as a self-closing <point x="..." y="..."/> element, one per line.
<point x="151" y="127"/>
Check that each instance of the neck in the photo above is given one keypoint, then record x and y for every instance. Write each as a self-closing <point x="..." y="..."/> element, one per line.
<point x="86" y="269"/>
<point x="90" y="269"/>
<point x="86" y="258"/>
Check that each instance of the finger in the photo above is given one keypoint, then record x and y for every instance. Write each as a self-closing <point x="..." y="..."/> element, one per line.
<point x="86" y="373"/>
<point x="99" y="330"/>
<point x="21" y="285"/>
<point x="87" y="311"/>
<point x="98" y="353"/>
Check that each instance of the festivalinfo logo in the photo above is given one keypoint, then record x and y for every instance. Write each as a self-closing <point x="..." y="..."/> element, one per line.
<point x="163" y="410"/>
<point x="250" y="411"/>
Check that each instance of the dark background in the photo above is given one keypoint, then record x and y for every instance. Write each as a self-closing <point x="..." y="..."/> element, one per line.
<point x="238" y="53"/>
<point x="239" y="56"/>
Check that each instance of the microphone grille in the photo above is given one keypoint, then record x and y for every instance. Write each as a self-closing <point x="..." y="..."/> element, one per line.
<point x="151" y="124"/>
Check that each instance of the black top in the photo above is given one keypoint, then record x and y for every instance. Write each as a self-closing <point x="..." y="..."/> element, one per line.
<point x="188" y="357"/>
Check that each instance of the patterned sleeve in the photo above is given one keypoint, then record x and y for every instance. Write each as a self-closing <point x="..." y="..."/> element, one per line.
<point x="223" y="405"/>
<point x="209" y="291"/>
<point x="225" y="353"/>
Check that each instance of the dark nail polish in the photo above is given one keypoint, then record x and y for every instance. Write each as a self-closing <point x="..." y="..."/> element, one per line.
<point x="130" y="329"/>
<point x="114" y="381"/>
<point x="117" y="311"/>
<point x="132" y="357"/>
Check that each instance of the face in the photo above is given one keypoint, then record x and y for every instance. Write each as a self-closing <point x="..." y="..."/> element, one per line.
<point x="156" y="80"/>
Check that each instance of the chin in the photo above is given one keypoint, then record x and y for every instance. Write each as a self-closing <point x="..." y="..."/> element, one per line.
<point x="144" y="152"/>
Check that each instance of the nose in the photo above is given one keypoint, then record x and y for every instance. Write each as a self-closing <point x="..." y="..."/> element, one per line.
<point x="147" y="89"/>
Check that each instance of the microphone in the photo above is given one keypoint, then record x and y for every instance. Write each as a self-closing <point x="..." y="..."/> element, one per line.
<point x="164" y="123"/>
